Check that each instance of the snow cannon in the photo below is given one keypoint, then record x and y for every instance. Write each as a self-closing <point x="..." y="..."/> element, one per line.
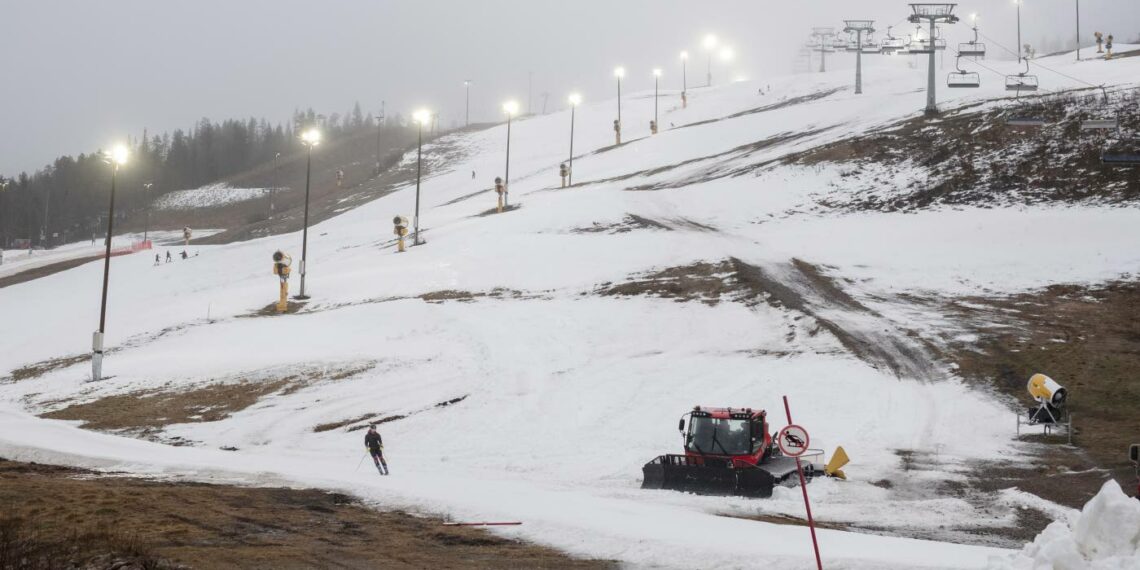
<point x="563" y="171"/>
<point x="1050" y="412"/>
<point x="281" y="263"/>
<point x="501" y="190"/>
<point x="727" y="451"/>
<point x="1046" y="390"/>
<point x="401" y="231"/>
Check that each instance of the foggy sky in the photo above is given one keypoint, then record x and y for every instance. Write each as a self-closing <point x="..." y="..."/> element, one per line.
<point x="81" y="74"/>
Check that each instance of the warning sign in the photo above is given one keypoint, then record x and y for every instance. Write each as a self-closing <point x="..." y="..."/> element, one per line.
<point x="793" y="440"/>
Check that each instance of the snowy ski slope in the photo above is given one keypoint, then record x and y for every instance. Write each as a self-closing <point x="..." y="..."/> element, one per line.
<point x="566" y="392"/>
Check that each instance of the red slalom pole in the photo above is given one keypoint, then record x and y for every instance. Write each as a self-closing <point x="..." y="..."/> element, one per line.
<point x="803" y="487"/>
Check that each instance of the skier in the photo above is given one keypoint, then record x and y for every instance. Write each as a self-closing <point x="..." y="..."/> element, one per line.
<point x="157" y="259"/>
<point x="184" y="256"/>
<point x="1099" y="42"/>
<point x="375" y="447"/>
<point x="168" y="258"/>
<point x="339" y="178"/>
<point x="1108" y="47"/>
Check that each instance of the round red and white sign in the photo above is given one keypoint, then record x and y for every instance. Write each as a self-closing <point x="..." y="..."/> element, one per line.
<point x="793" y="440"/>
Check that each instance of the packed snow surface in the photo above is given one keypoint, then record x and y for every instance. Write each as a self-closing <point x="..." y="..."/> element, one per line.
<point x="1105" y="536"/>
<point x="209" y="196"/>
<point x="557" y="394"/>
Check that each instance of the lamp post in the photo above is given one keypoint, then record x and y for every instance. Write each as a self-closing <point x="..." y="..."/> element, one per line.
<point x="1018" y="4"/>
<point x="619" y="72"/>
<point x="656" y="80"/>
<point x="511" y="108"/>
<point x="310" y="139"/>
<point x="277" y="180"/>
<point x="710" y="45"/>
<point x="116" y="158"/>
<point x="684" y="79"/>
<point x="421" y="116"/>
<point x="1078" y="30"/>
<point x="467" y="103"/>
<point x="146" y="225"/>
<point x="575" y="100"/>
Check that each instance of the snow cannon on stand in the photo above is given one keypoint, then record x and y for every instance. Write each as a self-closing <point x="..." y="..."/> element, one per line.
<point x="281" y="268"/>
<point x="1050" y="412"/>
<point x="400" y="224"/>
<point x="500" y="189"/>
<point x="563" y="171"/>
<point x="730" y="451"/>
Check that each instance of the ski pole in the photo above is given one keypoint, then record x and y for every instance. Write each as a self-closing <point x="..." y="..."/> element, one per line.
<point x="361" y="462"/>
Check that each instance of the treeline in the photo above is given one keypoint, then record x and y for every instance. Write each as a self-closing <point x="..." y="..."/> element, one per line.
<point x="67" y="199"/>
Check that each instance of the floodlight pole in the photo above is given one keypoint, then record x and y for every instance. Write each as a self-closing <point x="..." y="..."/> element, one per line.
<point x="467" y="102"/>
<point x="1018" y="3"/>
<point x="570" y="171"/>
<point x="305" y="228"/>
<point x="933" y="13"/>
<point x="1078" y="30"/>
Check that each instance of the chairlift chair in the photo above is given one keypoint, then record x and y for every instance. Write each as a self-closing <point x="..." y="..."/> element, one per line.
<point x="1120" y="159"/>
<point x="972" y="49"/>
<point x="1022" y="81"/>
<point x="939" y="44"/>
<point x="1099" y="124"/>
<point x="1025" y="121"/>
<point x="892" y="44"/>
<point x="963" y="79"/>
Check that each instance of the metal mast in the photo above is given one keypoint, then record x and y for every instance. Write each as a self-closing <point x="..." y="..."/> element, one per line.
<point x="823" y="42"/>
<point x="932" y="13"/>
<point x="859" y="27"/>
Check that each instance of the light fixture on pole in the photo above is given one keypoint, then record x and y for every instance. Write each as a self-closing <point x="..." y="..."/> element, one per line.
<point x="619" y="72"/>
<point x="710" y="45"/>
<point x="575" y="100"/>
<point x="146" y="225"/>
<point x="310" y="139"/>
<point x="656" y="81"/>
<point x="511" y="108"/>
<point x="467" y="103"/>
<point x="421" y="116"/>
<point x="117" y="157"/>
<point x="684" y="79"/>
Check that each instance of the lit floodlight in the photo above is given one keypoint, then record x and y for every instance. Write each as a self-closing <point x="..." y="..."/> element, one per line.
<point x="657" y="72"/>
<point x="311" y="137"/>
<point x="119" y="154"/>
<point x="575" y="99"/>
<point x="511" y="107"/>
<point x="619" y="72"/>
<point x="422" y="116"/>
<point x="710" y="42"/>
<point x="685" y="55"/>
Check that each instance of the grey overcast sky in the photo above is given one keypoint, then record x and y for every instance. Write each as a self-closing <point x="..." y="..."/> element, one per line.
<point x="80" y="74"/>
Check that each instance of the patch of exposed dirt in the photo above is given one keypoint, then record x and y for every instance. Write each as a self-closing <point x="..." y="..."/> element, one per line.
<point x="53" y="516"/>
<point x="1086" y="338"/>
<point x="628" y="223"/>
<point x="800" y="287"/>
<point x="468" y="296"/>
<point x="361" y="422"/>
<point x="973" y="157"/>
<point x="270" y="310"/>
<point x="40" y="368"/>
<point x="495" y="210"/>
<point x="145" y="413"/>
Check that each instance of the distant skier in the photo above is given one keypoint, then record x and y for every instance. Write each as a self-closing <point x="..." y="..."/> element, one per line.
<point x="339" y="178"/>
<point x="1108" y="47"/>
<point x="184" y="256"/>
<point x="157" y="259"/>
<point x="1099" y="42"/>
<point x="375" y="447"/>
<point x="168" y="258"/>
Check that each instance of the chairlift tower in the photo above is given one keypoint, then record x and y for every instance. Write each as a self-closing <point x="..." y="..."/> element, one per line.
<point x="859" y="27"/>
<point x="824" y="42"/>
<point x="932" y="13"/>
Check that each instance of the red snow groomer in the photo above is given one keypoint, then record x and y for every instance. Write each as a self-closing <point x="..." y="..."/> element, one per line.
<point x="729" y="451"/>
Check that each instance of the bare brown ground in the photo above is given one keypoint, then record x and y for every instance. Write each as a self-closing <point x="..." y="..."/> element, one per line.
<point x="1088" y="339"/>
<point x="53" y="517"/>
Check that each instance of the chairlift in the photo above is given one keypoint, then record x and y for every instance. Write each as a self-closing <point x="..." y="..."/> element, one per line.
<point x="1022" y="81"/>
<point x="892" y="44"/>
<point x="963" y="78"/>
<point x="1103" y="123"/>
<point x="973" y="48"/>
<point x="1119" y="159"/>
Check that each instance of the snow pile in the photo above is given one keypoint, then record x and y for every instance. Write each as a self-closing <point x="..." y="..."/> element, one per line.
<point x="1106" y="536"/>
<point x="210" y="196"/>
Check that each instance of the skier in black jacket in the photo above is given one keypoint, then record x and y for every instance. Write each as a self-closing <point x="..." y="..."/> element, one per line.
<point x="375" y="447"/>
